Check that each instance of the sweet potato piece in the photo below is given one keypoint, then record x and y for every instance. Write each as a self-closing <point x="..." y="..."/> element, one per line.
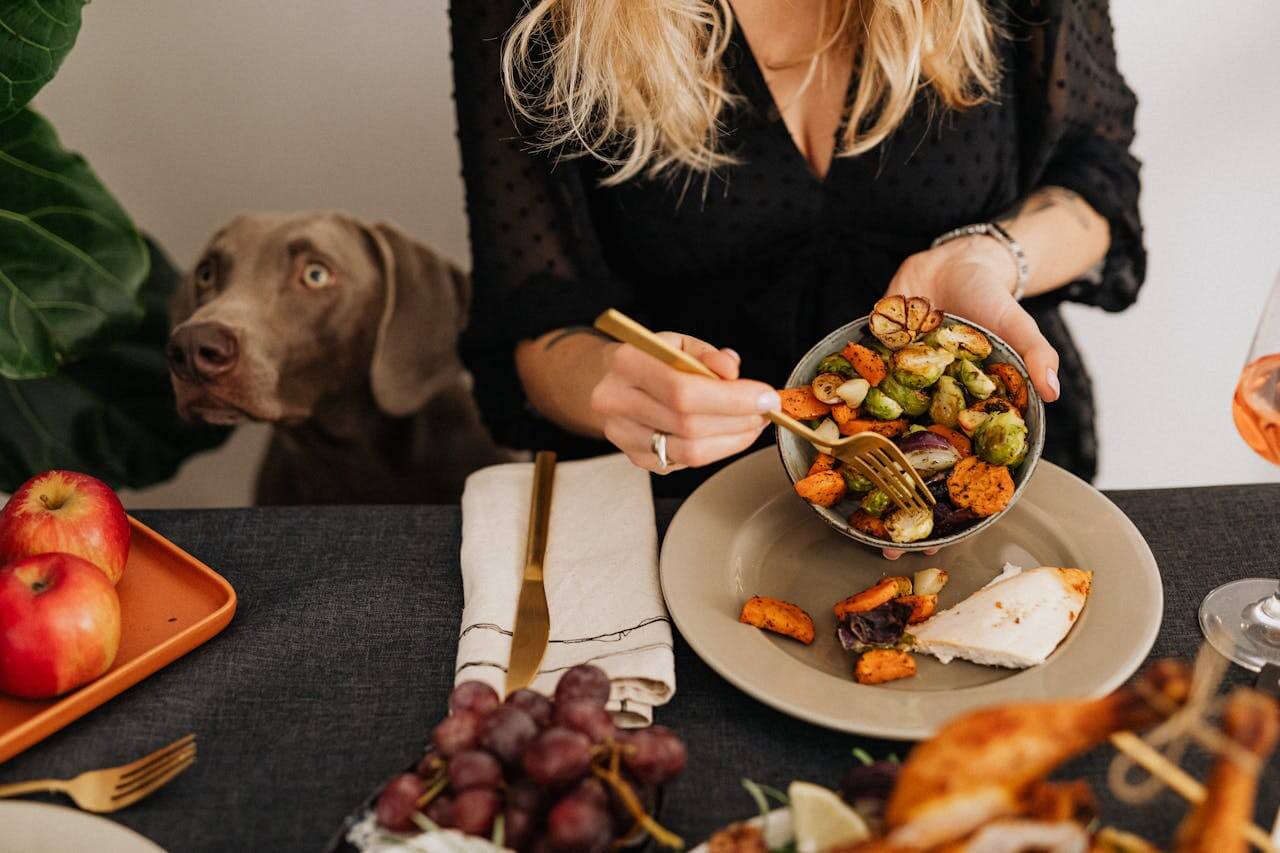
<point x="822" y="462"/>
<point x="974" y="484"/>
<point x="883" y="590"/>
<point x="780" y="617"/>
<point x="889" y="429"/>
<point x="842" y="413"/>
<point x="880" y="665"/>
<point x="922" y="606"/>
<point x="803" y="404"/>
<point x="823" y="488"/>
<point x="958" y="440"/>
<point x="869" y="524"/>
<point x="1013" y="383"/>
<point x="866" y="362"/>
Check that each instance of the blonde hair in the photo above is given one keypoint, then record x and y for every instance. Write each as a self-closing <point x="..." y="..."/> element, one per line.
<point x="639" y="84"/>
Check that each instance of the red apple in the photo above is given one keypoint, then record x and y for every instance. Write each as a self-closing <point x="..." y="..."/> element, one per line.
<point x="59" y="625"/>
<point x="68" y="513"/>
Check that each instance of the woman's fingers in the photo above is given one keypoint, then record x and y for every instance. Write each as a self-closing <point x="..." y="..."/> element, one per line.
<point x="723" y="361"/>
<point x="632" y="403"/>
<point x="633" y="439"/>
<point x="1018" y="328"/>
<point x="685" y="392"/>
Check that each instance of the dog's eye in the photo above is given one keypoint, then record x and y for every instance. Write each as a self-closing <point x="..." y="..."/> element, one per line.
<point x="205" y="273"/>
<point x="316" y="275"/>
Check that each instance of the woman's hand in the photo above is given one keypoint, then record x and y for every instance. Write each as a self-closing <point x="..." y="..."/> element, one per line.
<point x="973" y="278"/>
<point x="706" y="419"/>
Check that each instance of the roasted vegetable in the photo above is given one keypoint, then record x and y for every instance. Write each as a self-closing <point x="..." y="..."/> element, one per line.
<point x="883" y="590"/>
<point x="842" y="413"/>
<point x="822" y="462"/>
<point x="914" y="402"/>
<point x="874" y="503"/>
<point x="971" y="418"/>
<point x="880" y="665"/>
<point x="828" y="432"/>
<point x="855" y="481"/>
<point x="922" y="606"/>
<point x="868" y="524"/>
<point x="880" y="405"/>
<point x="824" y="387"/>
<point x="825" y="488"/>
<point x="947" y="402"/>
<point x="889" y="429"/>
<point x="867" y="787"/>
<point x="780" y="617"/>
<point x="896" y="320"/>
<point x="973" y="484"/>
<point x="800" y="403"/>
<point x="866" y="362"/>
<point x="958" y="440"/>
<point x="909" y="525"/>
<point x="929" y="581"/>
<point x="1015" y="386"/>
<point x="854" y="391"/>
<point x="963" y="342"/>
<point x="1001" y="439"/>
<point x="881" y="626"/>
<point x="919" y="365"/>
<point x="836" y="363"/>
<point x="928" y="452"/>
<point x="977" y="383"/>
<point x="947" y="520"/>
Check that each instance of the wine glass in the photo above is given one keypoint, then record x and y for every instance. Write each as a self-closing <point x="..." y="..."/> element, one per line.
<point x="1242" y="618"/>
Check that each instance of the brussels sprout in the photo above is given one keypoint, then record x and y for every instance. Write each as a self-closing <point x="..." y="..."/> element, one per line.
<point x="914" y="428"/>
<point x="914" y="402"/>
<point x="855" y="481"/>
<point x="974" y="380"/>
<point x="1001" y="439"/>
<point x="948" y="402"/>
<point x="919" y="366"/>
<point x="880" y="405"/>
<point x="854" y="391"/>
<point x="962" y="342"/>
<point x="874" y="503"/>
<point x="824" y="387"/>
<point x="909" y="525"/>
<point x="971" y="418"/>
<point x="836" y="363"/>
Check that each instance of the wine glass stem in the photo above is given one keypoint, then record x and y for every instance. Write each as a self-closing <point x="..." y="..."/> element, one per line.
<point x="1268" y="610"/>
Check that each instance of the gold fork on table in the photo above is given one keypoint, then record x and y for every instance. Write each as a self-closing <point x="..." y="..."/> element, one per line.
<point x="870" y="454"/>
<point x="115" y="788"/>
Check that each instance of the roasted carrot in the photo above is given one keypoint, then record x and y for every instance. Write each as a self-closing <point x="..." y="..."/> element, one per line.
<point x="922" y="606"/>
<point x="824" y="488"/>
<point x="842" y="413"/>
<point x="866" y="362"/>
<point x="801" y="403"/>
<point x="822" y="462"/>
<point x="880" y="665"/>
<point x="1013" y="382"/>
<point x="958" y="440"/>
<point x="889" y="429"/>
<point x="974" y="484"/>
<point x="868" y="524"/>
<point x="884" y="590"/>
<point x="780" y="617"/>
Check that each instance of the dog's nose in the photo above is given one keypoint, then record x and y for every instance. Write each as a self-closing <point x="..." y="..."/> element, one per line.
<point x="202" y="352"/>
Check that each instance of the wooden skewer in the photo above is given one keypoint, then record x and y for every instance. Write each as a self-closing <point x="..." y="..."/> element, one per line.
<point x="1177" y="779"/>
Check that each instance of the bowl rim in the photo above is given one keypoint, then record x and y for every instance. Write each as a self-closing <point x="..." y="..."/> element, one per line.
<point x="1034" y="449"/>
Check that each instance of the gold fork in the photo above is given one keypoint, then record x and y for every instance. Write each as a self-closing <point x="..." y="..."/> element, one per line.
<point x="870" y="454"/>
<point x="115" y="788"/>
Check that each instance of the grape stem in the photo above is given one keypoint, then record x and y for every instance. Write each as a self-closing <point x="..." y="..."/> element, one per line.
<point x="433" y="790"/>
<point x="629" y="799"/>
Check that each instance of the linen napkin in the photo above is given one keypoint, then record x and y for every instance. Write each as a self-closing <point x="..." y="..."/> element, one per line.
<point x="601" y="571"/>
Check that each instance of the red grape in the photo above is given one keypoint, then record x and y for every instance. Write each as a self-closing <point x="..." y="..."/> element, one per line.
<point x="586" y="716"/>
<point x="534" y="704"/>
<point x="440" y="811"/>
<point x="473" y="696"/>
<point x="583" y="682"/>
<point x="590" y="790"/>
<point x="576" y="826"/>
<point x="456" y="732"/>
<point x="518" y="827"/>
<point x="507" y="732"/>
<point x="398" y="803"/>
<point x="474" y="768"/>
<point x="524" y="794"/>
<point x="557" y="757"/>
<point x="429" y="765"/>
<point x="474" y="811"/>
<point x="654" y="755"/>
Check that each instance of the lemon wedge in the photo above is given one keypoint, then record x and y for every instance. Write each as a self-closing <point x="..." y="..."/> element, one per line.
<point x="822" y="820"/>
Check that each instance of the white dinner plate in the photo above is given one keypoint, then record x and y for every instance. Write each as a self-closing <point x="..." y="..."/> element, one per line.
<point x="45" y="828"/>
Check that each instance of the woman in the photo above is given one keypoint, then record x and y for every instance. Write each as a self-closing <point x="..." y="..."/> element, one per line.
<point x="753" y="174"/>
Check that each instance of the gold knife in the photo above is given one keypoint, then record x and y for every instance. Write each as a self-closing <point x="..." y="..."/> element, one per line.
<point x="533" y="622"/>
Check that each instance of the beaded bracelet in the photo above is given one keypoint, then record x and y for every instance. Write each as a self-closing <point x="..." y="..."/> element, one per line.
<point x="990" y="229"/>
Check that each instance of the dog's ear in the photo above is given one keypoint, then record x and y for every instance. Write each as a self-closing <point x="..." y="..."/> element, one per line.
<point x="424" y="308"/>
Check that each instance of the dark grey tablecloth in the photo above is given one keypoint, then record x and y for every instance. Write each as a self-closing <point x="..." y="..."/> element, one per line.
<point x="341" y="656"/>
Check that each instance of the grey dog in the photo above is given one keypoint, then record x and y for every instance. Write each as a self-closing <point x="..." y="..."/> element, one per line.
<point x="344" y="336"/>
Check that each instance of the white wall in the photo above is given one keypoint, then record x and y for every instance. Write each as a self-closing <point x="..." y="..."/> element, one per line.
<point x="193" y="111"/>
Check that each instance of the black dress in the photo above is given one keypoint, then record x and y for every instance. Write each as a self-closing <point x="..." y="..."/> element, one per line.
<point x="764" y="257"/>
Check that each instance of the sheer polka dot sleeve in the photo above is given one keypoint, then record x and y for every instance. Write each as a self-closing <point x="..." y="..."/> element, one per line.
<point x="1085" y="112"/>
<point x="536" y="260"/>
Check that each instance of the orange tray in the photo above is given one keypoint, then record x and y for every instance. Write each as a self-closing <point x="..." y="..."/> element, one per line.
<point x="170" y="603"/>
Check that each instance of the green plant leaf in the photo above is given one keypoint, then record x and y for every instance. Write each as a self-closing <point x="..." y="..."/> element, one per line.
<point x="35" y="36"/>
<point x="111" y="415"/>
<point x="71" y="262"/>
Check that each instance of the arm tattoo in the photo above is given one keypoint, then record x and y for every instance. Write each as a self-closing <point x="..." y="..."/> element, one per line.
<point x="570" y="331"/>
<point x="1045" y="198"/>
